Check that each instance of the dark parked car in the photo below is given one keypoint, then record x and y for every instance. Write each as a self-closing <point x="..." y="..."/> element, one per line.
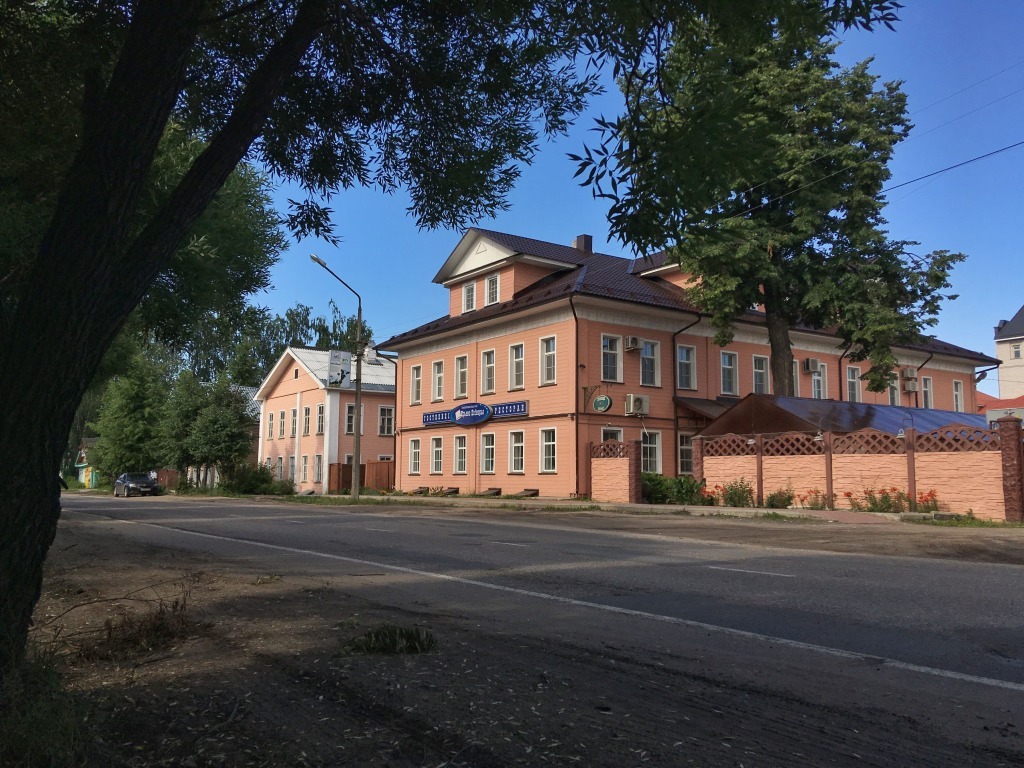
<point x="135" y="483"/>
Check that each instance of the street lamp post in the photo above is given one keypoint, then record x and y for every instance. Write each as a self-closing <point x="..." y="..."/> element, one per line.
<point x="358" y="418"/>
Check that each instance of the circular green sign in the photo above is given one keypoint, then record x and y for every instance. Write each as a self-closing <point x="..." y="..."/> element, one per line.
<point x="602" y="403"/>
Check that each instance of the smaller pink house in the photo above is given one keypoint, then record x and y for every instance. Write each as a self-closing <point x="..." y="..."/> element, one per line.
<point x="308" y="419"/>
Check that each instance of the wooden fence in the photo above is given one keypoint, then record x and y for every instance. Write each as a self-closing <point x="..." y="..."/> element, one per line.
<point x="375" y="475"/>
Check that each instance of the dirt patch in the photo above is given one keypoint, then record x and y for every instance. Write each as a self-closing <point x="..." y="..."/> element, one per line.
<point x="256" y="678"/>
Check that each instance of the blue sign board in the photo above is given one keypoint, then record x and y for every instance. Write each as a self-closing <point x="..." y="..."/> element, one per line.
<point x="477" y="413"/>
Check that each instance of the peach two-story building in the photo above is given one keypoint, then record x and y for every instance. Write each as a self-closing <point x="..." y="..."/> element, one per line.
<point x="307" y="414"/>
<point x="547" y="349"/>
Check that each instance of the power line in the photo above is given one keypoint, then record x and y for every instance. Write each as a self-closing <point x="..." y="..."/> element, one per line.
<point x="951" y="167"/>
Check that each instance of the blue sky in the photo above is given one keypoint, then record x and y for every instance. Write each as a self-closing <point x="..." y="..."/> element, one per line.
<point x="939" y="49"/>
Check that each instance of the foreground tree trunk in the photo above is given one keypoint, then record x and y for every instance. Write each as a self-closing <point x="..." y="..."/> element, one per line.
<point x="778" y="341"/>
<point x="89" y="275"/>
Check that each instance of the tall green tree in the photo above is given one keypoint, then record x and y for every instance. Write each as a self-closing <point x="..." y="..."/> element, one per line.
<point x="444" y="99"/>
<point x="177" y="419"/>
<point x="793" y="222"/>
<point x="222" y="435"/>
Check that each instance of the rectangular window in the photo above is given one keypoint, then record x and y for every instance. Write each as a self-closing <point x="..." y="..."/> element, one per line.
<point x="958" y="396"/>
<point x="493" y="292"/>
<point x="853" y="385"/>
<point x="386" y="420"/>
<point x="280" y="424"/>
<point x="414" y="457"/>
<point x="384" y="457"/>
<point x="650" y="456"/>
<point x="761" y="376"/>
<point x="460" y="454"/>
<point x="894" y="392"/>
<point x="291" y="467"/>
<point x="819" y="383"/>
<point x="280" y="468"/>
<point x="516" y="366"/>
<point x="686" y="367"/>
<point x="685" y="454"/>
<point x="1015" y="351"/>
<point x="487" y="453"/>
<point x="320" y="419"/>
<point x="487" y="372"/>
<point x="547" y="450"/>
<point x="436" y="455"/>
<point x="305" y="468"/>
<point x="611" y="434"/>
<point x="415" y="384"/>
<point x="926" y="392"/>
<point x="469" y="297"/>
<point x="350" y="418"/>
<point x="295" y="421"/>
<point x="611" y="358"/>
<point x="270" y="425"/>
<point x="729" y="378"/>
<point x="547" y="360"/>
<point x="516" y="453"/>
<point x="650" y="371"/>
<point x="318" y="468"/>
<point x="796" y="378"/>
<point x="438" y="390"/>
<point x="305" y="420"/>
<point x="461" y="376"/>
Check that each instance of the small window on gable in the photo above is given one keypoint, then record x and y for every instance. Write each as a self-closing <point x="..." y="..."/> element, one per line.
<point x="468" y="297"/>
<point x="493" y="292"/>
<point x="295" y="373"/>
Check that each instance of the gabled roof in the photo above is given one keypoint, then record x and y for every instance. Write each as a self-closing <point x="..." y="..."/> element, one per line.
<point x="378" y="370"/>
<point x="603" y="276"/>
<point x="773" y="413"/>
<point x="252" y="408"/>
<point x="1012" y="329"/>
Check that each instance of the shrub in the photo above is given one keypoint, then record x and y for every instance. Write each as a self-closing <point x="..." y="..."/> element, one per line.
<point x="656" y="489"/>
<point x="256" y="479"/>
<point x="815" y="499"/>
<point x="892" y="501"/>
<point x="738" y="493"/>
<point x="780" y="499"/>
<point x="689" y="490"/>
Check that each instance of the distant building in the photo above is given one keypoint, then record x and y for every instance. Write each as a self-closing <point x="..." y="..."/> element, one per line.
<point x="1009" y="336"/>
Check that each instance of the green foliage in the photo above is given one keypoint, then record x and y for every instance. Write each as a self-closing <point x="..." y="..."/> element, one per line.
<point x="738" y="493"/>
<point x="780" y="499"/>
<point x="222" y="434"/>
<point x="391" y="639"/>
<point x="884" y="500"/>
<point x="816" y="499"/>
<point x="656" y="489"/>
<point x="689" y="490"/>
<point x="257" y="480"/>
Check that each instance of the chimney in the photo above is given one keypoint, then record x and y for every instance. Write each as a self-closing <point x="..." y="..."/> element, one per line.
<point x="584" y="243"/>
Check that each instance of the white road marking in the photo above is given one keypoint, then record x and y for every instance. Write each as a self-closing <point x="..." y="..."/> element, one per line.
<point x="510" y="543"/>
<point x="756" y="636"/>
<point x="382" y="530"/>
<point x="743" y="570"/>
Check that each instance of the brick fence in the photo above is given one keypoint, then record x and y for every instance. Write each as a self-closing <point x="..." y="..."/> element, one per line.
<point x="615" y="472"/>
<point x="970" y="469"/>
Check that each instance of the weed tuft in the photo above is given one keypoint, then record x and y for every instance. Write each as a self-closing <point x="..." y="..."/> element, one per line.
<point x="391" y="639"/>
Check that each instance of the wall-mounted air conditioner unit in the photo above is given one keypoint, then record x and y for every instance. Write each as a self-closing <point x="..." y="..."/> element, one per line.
<point x="812" y="365"/>
<point x="910" y="386"/>
<point x="908" y="373"/>
<point x="633" y="342"/>
<point x="637" y="405"/>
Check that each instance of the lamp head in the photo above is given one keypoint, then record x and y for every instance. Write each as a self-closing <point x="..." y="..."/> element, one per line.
<point x="317" y="260"/>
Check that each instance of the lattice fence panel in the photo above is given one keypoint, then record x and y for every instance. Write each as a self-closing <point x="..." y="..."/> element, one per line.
<point x="868" y="442"/>
<point x="728" y="445"/>
<point x="793" y="444"/>
<point x="957" y="439"/>
<point x="610" y="449"/>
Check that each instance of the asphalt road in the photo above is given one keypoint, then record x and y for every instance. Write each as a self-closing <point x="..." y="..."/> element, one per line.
<point x="902" y="635"/>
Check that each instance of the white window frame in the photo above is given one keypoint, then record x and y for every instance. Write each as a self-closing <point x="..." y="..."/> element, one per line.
<point x="469" y="297"/>
<point x="295" y="422"/>
<point x="305" y="419"/>
<point x="766" y="373"/>
<point x="318" y="468"/>
<point x="414" y="456"/>
<point x="461" y="377"/>
<point x="734" y="364"/>
<point x="495" y="281"/>
<point x="385" y="420"/>
<point x="270" y="425"/>
<point x="690" y="365"/>
<point x="436" y="455"/>
<point x="894" y="392"/>
<point x="350" y="418"/>
<point x="488" y="444"/>
<point x="927" y="392"/>
<point x="305" y="468"/>
<point x="516" y="367"/>
<point x="819" y="382"/>
<point x="280" y="426"/>
<point x="1015" y="351"/>
<point x="513" y="458"/>
<point x="488" y="372"/>
<point x="291" y="467"/>
<point x="544" y="467"/>
<point x="655" y="361"/>
<point x="437" y="381"/>
<point x="320" y="419"/>
<point x="958" y="396"/>
<point x="280" y="468"/>
<point x="685" y="450"/>
<point x="460" y="455"/>
<point x="853" y="390"/>
<point x="616" y="353"/>
<point x="548" y="367"/>
<point x="650" y="440"/>
<point x="416" y="385"/>
<point x="611" y="433"/>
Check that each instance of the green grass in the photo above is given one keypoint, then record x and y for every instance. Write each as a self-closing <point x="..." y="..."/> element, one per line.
<point x="392" y="640"/>
<point x="968" y="521"/>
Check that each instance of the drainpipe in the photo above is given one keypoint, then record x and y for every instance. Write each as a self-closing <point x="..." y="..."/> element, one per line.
<point x="839" y="365"/>
<point x="394" y="422"/>
<point x="675" y="378"/>
<point x="917" y="395"/>
<point x="576" y="390"/>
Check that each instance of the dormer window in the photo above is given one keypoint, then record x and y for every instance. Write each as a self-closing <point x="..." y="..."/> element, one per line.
<point x="493" y="292"/>
<point x="469" y="297"/>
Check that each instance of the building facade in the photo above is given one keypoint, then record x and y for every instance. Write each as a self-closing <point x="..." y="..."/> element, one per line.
<point x="308" y="420"/>
<point x="549" y="349"/>
<point x="1009" y="338"/>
